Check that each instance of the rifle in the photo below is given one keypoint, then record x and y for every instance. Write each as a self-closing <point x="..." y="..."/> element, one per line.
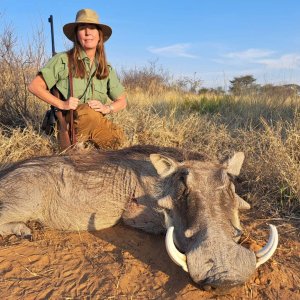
<point x="66" y="132"/>
<point x="50" y="20"/>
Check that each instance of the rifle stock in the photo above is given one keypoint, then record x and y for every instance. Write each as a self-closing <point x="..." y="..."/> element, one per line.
<point x="63" y="135"/>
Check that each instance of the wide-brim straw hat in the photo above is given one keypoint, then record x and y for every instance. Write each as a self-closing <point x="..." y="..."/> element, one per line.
<point x="86" y="16"/>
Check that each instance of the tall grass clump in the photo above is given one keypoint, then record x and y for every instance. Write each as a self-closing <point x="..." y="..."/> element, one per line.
<point x="165" y="112"/>
<point x="18" y="144"/>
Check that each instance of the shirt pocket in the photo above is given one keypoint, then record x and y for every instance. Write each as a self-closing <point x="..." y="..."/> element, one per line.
<point x="100" y="91"/>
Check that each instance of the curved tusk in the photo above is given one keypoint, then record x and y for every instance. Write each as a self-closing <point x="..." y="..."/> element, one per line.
<point x="268" y="250"/>
<point x="177" y="257"/>
<point x="272" y="240"/>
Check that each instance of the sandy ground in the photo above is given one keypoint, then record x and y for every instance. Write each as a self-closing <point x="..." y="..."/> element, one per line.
<point x="123" y="263"/>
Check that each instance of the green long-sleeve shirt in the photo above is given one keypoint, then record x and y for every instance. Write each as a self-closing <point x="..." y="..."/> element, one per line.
<point x="56" y="72"/>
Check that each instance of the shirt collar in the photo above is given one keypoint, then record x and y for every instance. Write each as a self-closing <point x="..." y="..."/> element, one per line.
<point x="82" y="55"/>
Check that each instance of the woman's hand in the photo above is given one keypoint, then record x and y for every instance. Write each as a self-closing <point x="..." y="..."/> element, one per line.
<point x="98" y="106"/>
<point x="117" y="105"/>
<point x="39" y="88"/>
<point x="71" y="103"/>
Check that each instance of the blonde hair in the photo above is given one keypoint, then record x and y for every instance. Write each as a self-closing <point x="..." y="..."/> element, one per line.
<point x="77" y="65"/>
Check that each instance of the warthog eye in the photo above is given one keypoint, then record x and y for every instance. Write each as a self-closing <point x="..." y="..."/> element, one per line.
<point x="183" y="174"/>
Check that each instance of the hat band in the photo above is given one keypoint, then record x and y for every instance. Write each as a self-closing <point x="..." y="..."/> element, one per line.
<point x="87" y="20"/>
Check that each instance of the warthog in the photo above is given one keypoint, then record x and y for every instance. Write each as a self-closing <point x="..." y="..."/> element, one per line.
<point x="155" y="189"/>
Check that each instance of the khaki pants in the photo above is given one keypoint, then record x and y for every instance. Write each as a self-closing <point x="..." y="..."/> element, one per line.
<point x="92" y="126"/>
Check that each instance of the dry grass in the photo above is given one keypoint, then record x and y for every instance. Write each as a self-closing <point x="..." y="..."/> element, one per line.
<point x="266" y="128"/>
<point x="18" y="144"/>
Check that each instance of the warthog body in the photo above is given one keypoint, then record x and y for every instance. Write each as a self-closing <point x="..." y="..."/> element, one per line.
<point x="147" y="187"/>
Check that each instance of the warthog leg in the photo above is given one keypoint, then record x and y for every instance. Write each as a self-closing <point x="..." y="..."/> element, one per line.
<point x="17" y="228"/>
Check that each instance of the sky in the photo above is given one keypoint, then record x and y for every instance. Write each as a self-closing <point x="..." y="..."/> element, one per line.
<point x="212" y="40"/>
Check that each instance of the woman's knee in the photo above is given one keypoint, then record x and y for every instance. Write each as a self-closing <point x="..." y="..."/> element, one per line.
<point x="86" y="117"/>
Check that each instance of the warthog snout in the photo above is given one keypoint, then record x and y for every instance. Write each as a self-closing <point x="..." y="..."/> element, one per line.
<point x="218" y="264"/>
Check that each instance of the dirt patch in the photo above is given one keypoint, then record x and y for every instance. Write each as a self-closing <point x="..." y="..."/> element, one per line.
<point x="123" y="263"/>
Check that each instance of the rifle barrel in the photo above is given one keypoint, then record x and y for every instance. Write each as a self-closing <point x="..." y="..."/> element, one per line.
<point x="50" y="20"/>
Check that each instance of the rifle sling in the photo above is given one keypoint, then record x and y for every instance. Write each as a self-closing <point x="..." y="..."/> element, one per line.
<point x="71" y="127"/>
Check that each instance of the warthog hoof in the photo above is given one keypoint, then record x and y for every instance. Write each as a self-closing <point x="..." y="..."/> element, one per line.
<point x="17" y="228"/>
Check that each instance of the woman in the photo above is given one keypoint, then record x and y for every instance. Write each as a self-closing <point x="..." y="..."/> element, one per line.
<point x="92" y="81"/>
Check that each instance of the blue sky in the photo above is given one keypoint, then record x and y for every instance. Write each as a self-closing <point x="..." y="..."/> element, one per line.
<point x="213" y="40"/>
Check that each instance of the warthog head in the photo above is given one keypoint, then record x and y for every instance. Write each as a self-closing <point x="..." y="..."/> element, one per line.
<point x="200" y="205"/>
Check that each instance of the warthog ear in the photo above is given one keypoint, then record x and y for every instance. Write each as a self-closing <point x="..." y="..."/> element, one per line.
<point x="163" y="165"/>
<point x="234" y="164"/>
